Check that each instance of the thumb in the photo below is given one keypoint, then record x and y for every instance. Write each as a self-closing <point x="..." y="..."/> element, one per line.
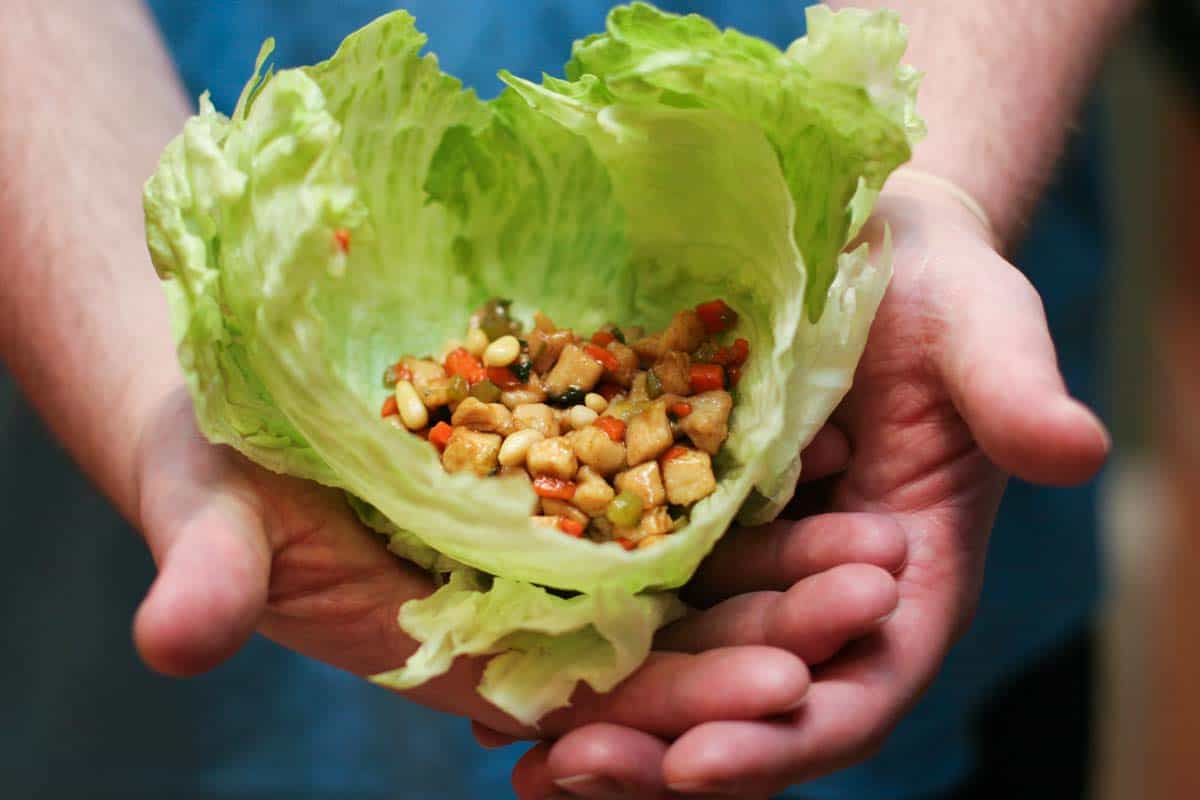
<point x="210" y="591"/>
<point x="998" y="361"/>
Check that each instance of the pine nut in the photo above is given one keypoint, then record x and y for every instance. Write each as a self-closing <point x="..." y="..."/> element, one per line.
<point x="516" y="446"/>
<point x="595" y="402"/>
<point x="413" y="413"/>
<point x="581" y="416"/>
<point x="477" y="342"/>
<point x="502" y="352"/>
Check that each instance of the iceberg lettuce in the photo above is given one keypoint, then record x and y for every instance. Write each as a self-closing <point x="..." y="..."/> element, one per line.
<point x="675" y="162"/>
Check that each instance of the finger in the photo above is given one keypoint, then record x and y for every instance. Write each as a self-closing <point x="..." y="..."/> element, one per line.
<point x="489" y="738"/>
<point x="210" y="591"/>
<point x="777" y="555"/>
<point x="531" y="778"/>
<point x="599" y="761"/>
<point x="675" y="691"/>
<point x="814" y="619"/>
<point x="1000" y="366"/>
<point x="827" y="454"/>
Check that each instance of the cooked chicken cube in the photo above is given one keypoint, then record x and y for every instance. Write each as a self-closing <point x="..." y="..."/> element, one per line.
<point x="656" y="522"/>
<point x="685" y="332"/>
<point x="545" y="347"/>
<point x="424" y="373"/>
<point x="442" y="391"/>
<point x="708" y="424"/>
<point x="538" y="416"/>
<point x="648" y="434"/>
<point x="575" y="370"/>
<point x="627" y="362"/>
<point x="485" y="417"/>
<point x="552" y="457"/>
<point x="688" y="476"/>
<point x="531" y="392"/>
<point x="561" y="508"/>
<point x="673" y="372"/>
<point x="648" y="350"/>
<point x="595" y="448"/>
<point x="592" y="492"/>
<point x="471" y="450"/>
<point x="645" y="481"/>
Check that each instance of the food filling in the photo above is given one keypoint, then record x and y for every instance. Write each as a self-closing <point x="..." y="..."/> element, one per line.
<point x="616" y="433"/>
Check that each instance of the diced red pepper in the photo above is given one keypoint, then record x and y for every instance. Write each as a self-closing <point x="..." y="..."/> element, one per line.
<point x="626" y="543"/>
<point x="735" y="375"/>
<point x="716" y="316"/>
<point x="460" y="362"/>
<point x="607" y="359"/>
<point x="341" y="237"/>
<point x="503" y="377"/>
<point x="612" y="426"/>
<point x="439" y="435"/>
<point x="608" y="390"/>
<point x="680" y="410"/>
<point x="674" y="452"/>
<point x="706" y="377"/>
<point x="389" y="407"/>
<point x="733" y="356"/>
<point x="602" y="338"/>
<point x="570" y="527"/>
<point x="553" y="488"/>
<point x="397" y="372"/>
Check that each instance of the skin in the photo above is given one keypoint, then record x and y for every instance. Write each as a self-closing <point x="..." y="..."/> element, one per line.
<point x="958" y="388"/>
<point x="84" y="330"/>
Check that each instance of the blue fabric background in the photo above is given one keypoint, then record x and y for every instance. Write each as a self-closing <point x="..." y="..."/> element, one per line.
<point x="85" y="719"/>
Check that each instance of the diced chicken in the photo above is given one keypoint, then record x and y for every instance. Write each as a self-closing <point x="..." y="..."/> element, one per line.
<point x="595" y="449"/>
<point x="545" y="348"/>
<point x="561" y="508"/>
<point x="708" y="424"/>
<point x="645" y="481"/>
<point x="575" y="370"/>
<point x="688" y="477"/>
<point x="637" y="390"/>
<point x="656" y="522"/>
<point x="471" y="450"/>
<point x="486" y="417"/>
<point x="531" y="392"/>
<point x="544" y="521"/>
<point x="424" y="373"/>
<point x="538" y="416"/>
<point x="685" y="332"/>
<point x="592" y="492"/>
<point x="648" y="350"/>
<point x="673" y="372"/>
<point x="438" y="392"/>
<point x="552" y="457"/>
<point x="648" y="434"/>
<point x="627" y="362"/>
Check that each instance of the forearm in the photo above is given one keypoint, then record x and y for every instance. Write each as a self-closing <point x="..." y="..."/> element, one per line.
<point x="1002" y="82"/>
<point x="91" y="99"/>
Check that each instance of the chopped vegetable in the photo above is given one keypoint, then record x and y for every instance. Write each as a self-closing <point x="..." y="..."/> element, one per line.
<point x="504" y="378"/>
<point x="608" y="390"/>
<point x="570" y="527"/>
<point x="654" y="387"/>
<point x="625" y="510"/>
<point x="706" y="378"/>
<point x="389" y="406"/>
<point x="556" y="488"/>
<point x="460" y="362"/>
<point x="439" y="434"/>
<point x="494" y="320"/>
<point x="716" y="316"/>
<point x="396" y="372"/>
<point x="341" y="238"/>
<point x="680" y="409"/>
<point x="612" y="426"/>
<point x="486" y="391"/>
<point x="602" y="338"/>
<point x="605" y="358"/>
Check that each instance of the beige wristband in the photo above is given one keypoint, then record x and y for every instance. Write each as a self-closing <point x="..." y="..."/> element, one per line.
<point x="914" y="175"/>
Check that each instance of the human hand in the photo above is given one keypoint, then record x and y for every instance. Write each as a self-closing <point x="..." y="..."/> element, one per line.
<point x="242" y="549"/>
<point x="958" y="385"/>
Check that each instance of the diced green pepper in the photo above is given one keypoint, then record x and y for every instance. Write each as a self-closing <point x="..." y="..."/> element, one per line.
<point x="624" y="510"/>
<point x="486" y="392"/>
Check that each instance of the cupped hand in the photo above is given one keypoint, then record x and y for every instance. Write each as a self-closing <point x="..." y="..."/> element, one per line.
<point x="957" y="387"/>
<point x="241" y="549"/>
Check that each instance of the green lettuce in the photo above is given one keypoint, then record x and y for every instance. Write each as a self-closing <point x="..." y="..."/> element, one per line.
<point x="674" y="163"/>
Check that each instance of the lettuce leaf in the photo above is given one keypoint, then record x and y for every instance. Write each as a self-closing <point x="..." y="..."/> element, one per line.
<point x="676" y="163"/>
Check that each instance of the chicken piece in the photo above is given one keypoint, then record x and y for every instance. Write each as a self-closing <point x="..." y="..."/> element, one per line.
<point x="561" y="508"/>
<point x="596" y="449"/>
<point x="471" y="450"/>
<point x="442" y="391"/>
<point x="688" y="477"/>
<point x="424" y="373"/>
<point x="685" y="333"/>
<point x="673" y="372"/>
<point x="708" y="424"/>
<point x="627" y="362"/>
<point x="545" y="348"/>
<point x="648" y="350"/>
<point x="485" y="417"/>
<point x="531" y="392"/>
<point x="592" y="492"/>
<point x="645" y="481"/>
<point x="538" y="416"/>
<point x="575" y="370"/>
<point x="655" y="522"/>
<point x="648" y="435"/>
<point x="552" y="457"/>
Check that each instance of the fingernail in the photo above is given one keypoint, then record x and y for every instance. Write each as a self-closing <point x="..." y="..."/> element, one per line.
<point x="1082" y="410"/>
<point x="886" y="617"/>
<point x="699" y="787"/>
<point x="592" y="787"/>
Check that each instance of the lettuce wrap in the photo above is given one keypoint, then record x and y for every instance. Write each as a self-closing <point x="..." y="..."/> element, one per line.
<point x="673" y="163"/>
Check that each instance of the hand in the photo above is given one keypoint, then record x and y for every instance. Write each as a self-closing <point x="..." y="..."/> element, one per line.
<point x="240" y="549"/>
<point x="958" y="385"/>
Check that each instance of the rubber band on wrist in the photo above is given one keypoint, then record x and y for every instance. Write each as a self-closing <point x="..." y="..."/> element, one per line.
<point x="914" y="175"/>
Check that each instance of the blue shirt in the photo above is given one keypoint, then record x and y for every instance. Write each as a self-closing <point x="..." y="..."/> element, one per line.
<point x="93" y="722"/>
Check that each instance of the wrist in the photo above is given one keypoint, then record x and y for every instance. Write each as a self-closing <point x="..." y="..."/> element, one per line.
<point x="951" y="203"/>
